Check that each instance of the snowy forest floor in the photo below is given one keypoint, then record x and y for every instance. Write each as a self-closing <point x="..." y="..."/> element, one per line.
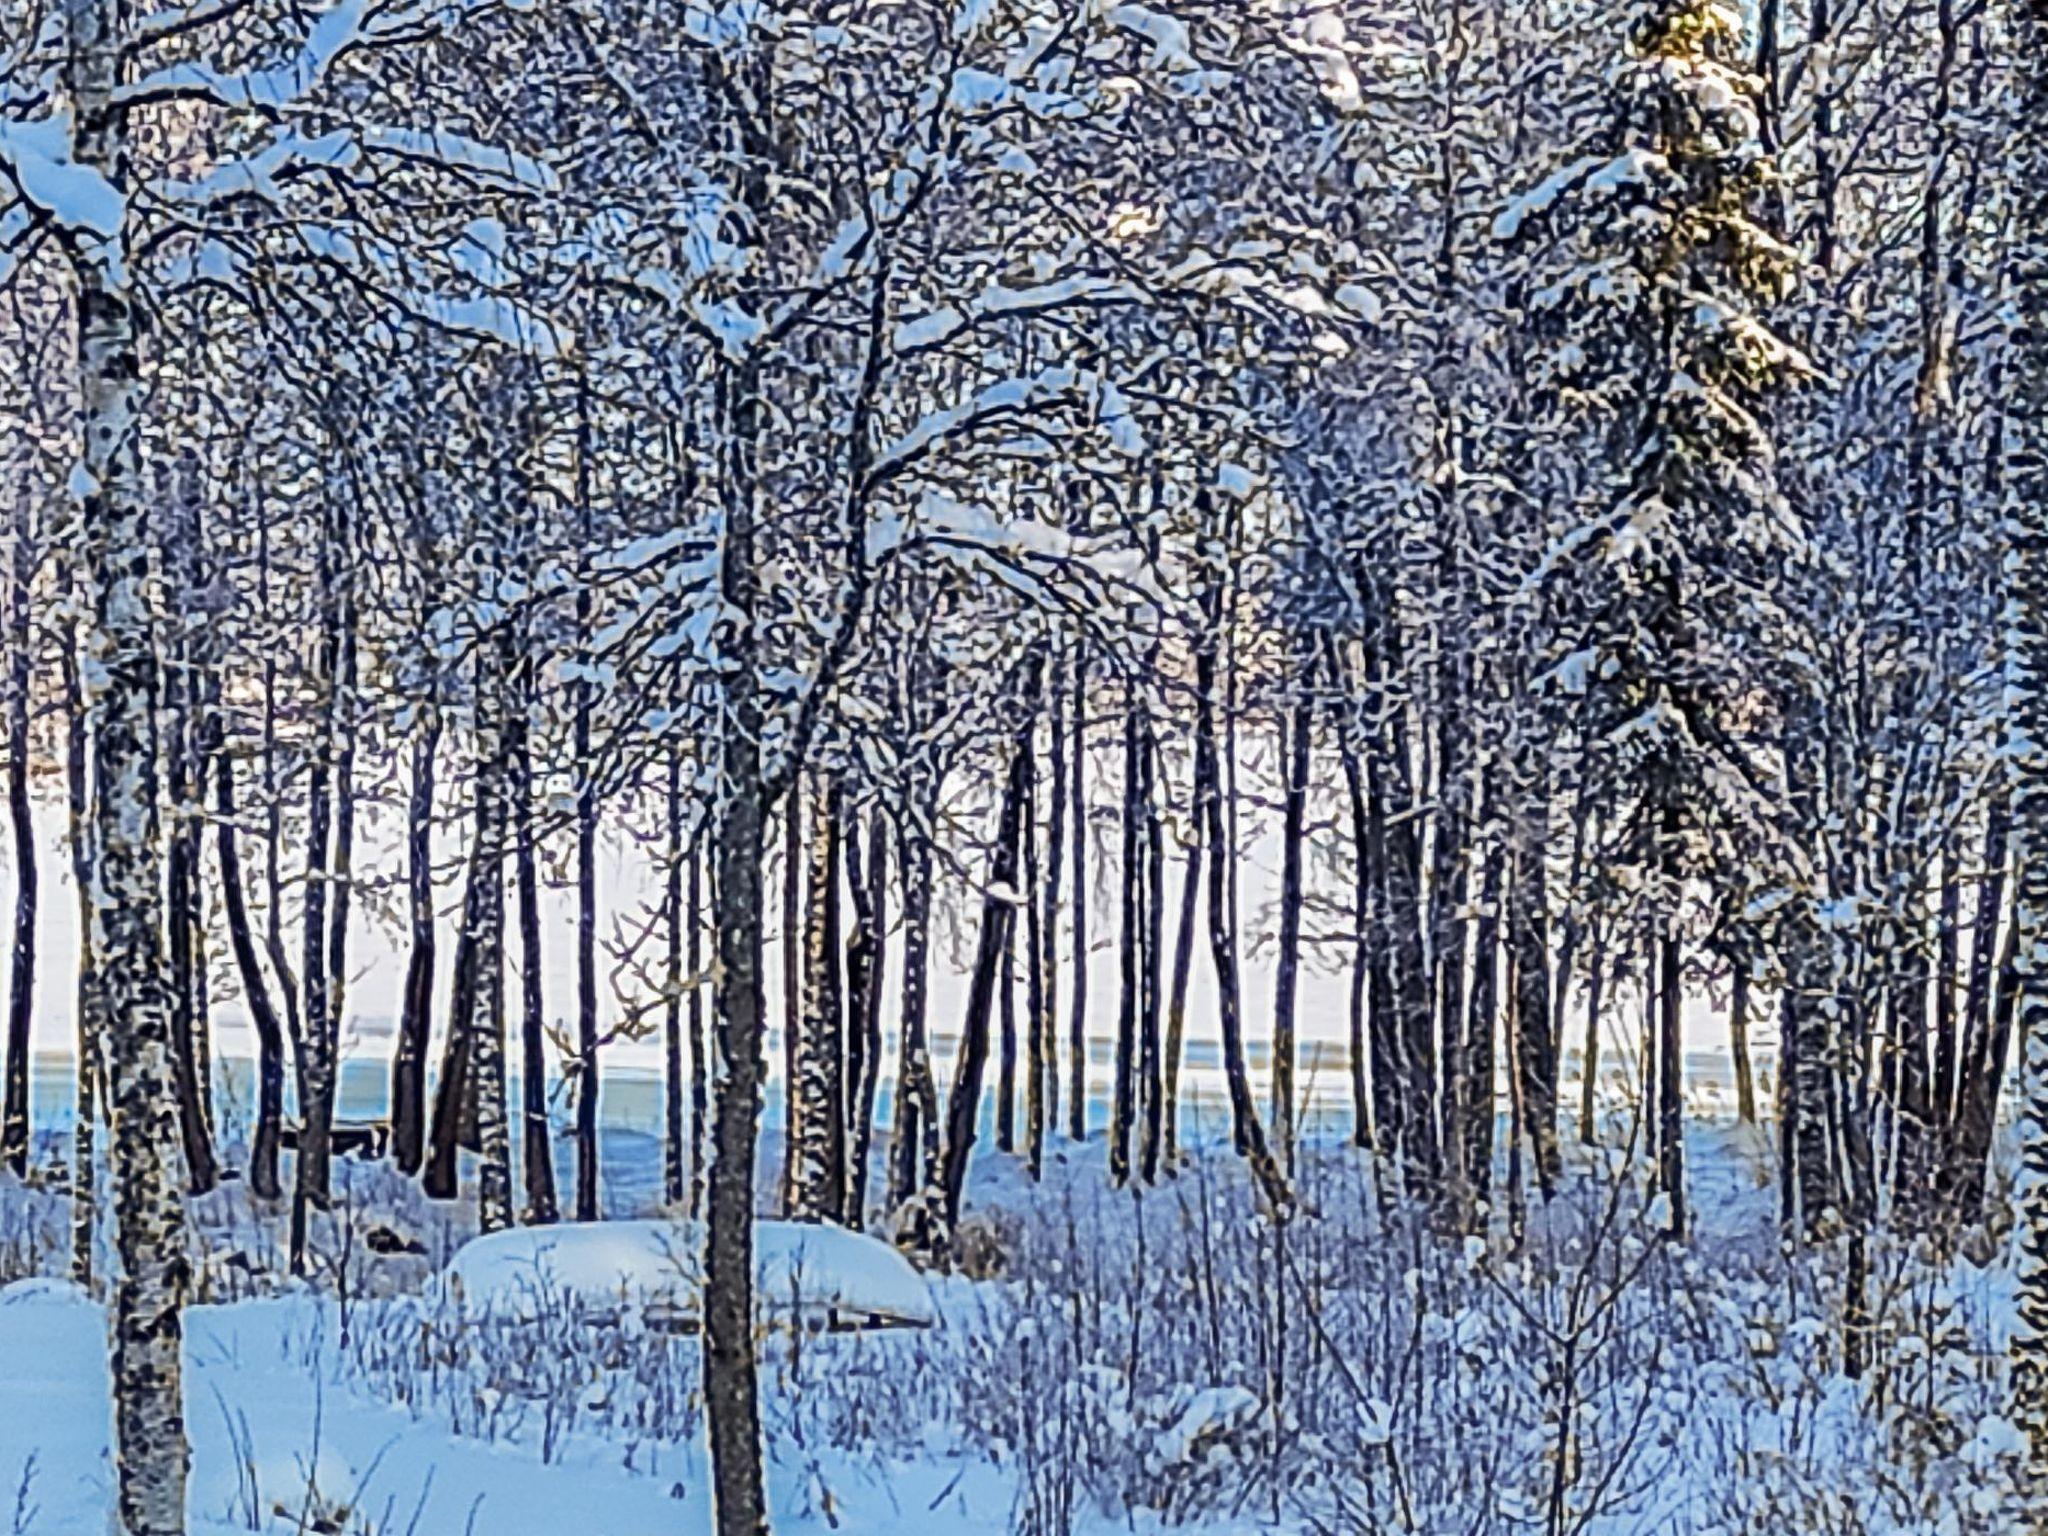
<point x="1123" y="1362"/>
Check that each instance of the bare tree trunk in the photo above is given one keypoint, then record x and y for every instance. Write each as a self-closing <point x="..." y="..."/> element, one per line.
<point x="1077" y="1020"/>
<point x="314" y="1042"/>
<point x="1738" y="1042"/>
<point x="270" y="1040"/>
<point x="1177" y="994"/>
<point x="588" y="1081"/>
<point x="151" y="1453"/>
<point x="792" y="984"/>
<point x="1041" y="1069"/>
<point x="1287" y="965"/>
<point x="673" y="1181"/>
<point x="731" y="1389"/>
<point x="914" y="1137"/>
<point x="454" y="1117"/>
<point x="495" y="786"/>
<point x="998" y="912"/>
<point x="866" y="960"/>
<point x="88" y="998"/>
<point x="21" y="975"/>
<point x="817" y="1180"/>
<point x="1123" y="1102"/>
<point x="543" y="1207"/>
<point x="1249" y="1134"/>
<point x="1589" y="1061"/>
<point x="416" y="1007"/>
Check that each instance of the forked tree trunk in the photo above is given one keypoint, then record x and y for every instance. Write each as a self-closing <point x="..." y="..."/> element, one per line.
<point x="270" y="1041"/>
<point x="998" y="912"/>
<point x="1249" y="1134"/>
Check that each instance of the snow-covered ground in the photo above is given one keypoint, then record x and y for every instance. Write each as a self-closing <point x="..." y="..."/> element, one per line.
<point x="1115" y="1362"/>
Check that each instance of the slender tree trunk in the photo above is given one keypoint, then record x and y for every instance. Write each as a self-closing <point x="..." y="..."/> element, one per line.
<point x="1250" y="1135"/>
<point x="1041" y="1056"/>
<point x="543" y="1207"/>
<point x="453" y="1125"/>
<point x="675" y="1188"/>
<point x="151" y="1453"/>
<point x="817" y="1188"/>
<point x="792" y="987"/>
<point x="1177" y="993"/>
<point x="915" y="1134"/>
<point x="588" y="1080"/>
<point x="700" y="1045"/>
<point x="495" y="788"/>
<point x="1287" y="965"/>
<point x="1589" y="1063"/>
<point x="1123" y="1100"/>
<point x="1670" y="1034"/>
<point x="1151" y="1067"/>
<point x="315" y="1045"/>
<point x="21" y="975"/>
<point x="2027" y="680"/>
<point x="867" y="959"/>
<point x="1535" y="1045"/>
<point x="88" y="999"/>
<point x="740" y="805"/>
<point x="1077" y="1020"/>
<point x="998" y="912"/>
<point x="1738" y="1042"/>
<point x="416" y="1005"/>
<point x="270" y="1039"/>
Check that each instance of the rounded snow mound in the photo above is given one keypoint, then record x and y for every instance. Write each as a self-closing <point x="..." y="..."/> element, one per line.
<point x="44" y="1291"/>
<point x="653" y="1270"/>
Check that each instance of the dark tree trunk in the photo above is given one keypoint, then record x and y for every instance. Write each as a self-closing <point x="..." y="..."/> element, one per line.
<point x="416" y="1005"/>
<point x="792" y="983"/>
<point x="1077" y="1020"/>
<point x="731" y="1388"/>
<point x="543" y="1207"/>
<point x="1738" y="1042"/>
<point x="1123" y="1083"/>
<point x="589" y="1085"/>
<point x="1177" y="994"/>
<point x="998" y="913"/>
<point x="454" y="1117"/>
<point x="1249" y="1134"/>
<point x="866" y="960"/>
<point x="675" y="1189"/>
<point x="270" y="1041"/>
<point x="1670" y="1032"/>
<point x="14" y="1122"/>
<point x="1535" y="1045"/>
<point x="1287" y="965"/>
<point x="1151" y="1069"/>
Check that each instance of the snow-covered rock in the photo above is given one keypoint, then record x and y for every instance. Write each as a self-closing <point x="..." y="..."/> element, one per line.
<point x="655" y="1268"/>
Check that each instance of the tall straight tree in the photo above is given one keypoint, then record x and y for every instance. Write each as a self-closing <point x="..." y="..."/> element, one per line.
<point x="2027" y="534"/>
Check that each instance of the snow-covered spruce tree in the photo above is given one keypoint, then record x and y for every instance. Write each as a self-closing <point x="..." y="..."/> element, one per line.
<point x="1651" y="288"/>
<point x="2027" y="531"/>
